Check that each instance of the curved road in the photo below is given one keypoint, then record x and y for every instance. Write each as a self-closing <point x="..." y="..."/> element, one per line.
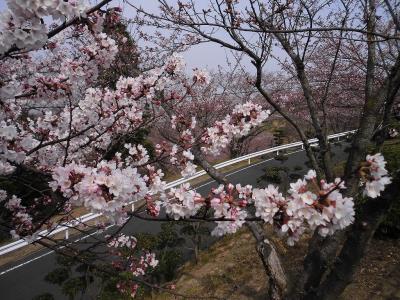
<point x="24" y="279"/>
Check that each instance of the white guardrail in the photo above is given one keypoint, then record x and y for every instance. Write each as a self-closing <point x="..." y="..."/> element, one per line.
<point x="90" y="216"/>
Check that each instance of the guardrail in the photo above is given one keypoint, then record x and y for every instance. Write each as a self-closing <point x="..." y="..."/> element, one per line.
<point x="90" y="216"/>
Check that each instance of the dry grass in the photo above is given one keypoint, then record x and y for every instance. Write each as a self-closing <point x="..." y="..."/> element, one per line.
<point x="231" y="269"/>
<point x="226" y="271"/>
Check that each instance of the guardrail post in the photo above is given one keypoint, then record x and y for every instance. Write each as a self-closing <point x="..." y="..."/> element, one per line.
<point x="277" y="152"/>
<point x="249" y="161"/>
<point x="133" y="207"/>
<point x="67" y="234"/>
<point x="302" y="146"/>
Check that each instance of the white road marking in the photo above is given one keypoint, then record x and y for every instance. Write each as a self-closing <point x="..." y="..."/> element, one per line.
<point x="50" y="252"/>
<point x="96" y="232"/>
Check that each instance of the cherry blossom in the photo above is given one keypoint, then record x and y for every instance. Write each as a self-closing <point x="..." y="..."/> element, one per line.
<point x="127" y="258"/>
<point x="243" y="118"/>
<point x="374" y="175"/>
<point x="309" y="204"/>
<point x="107" y="188"/>
<point x="21" y="219"/>
<point x="182" y="202"/>
<point x="201" y="76"/>
<point x="224" y="207"/>
<point x="71" y="142"/>
<point x="268" y="202"/>
<point x="393" y="132"/>
<point x="21" y="24"/>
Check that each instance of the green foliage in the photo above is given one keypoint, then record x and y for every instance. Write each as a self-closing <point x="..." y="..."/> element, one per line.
<point x="27" y="185"/>
<point x="58" y="276"/>
<point x="310" y="133"/>
<point x="192" y="230"/>
<point x="147" y="241"/>
<point x="281" y="157"/>
<point x="167" y="244"/>
<point x="272" y="174"/>
<point x="65" y="261"/>
<point x="109" y="290"/>
<point x="45" y="296"/>
<point x="72" y="276"/>
<point x="169" y="262"/>
<point x="74" y="286"/>
<point x="279" y="136"/>
<point x="167" y="238"/>
<point x="297" y="168"/>
<point x="294" y="176"/>
<point x="391" y="152"/>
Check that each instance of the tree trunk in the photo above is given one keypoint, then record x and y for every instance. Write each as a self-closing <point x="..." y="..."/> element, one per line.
<point x="272" y="264"/>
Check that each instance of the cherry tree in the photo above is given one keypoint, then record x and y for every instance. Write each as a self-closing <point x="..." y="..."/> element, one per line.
<point x="59" y="122"/>
<point x="211" y="102"/>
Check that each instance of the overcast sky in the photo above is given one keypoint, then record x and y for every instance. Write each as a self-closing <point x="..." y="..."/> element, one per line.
<point x="205" y="55"/>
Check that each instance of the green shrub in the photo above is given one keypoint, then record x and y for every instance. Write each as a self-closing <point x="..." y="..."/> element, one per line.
<point x="46" y="296"/>
<point x="272" y="175"/>
<point x="281" y="157"/>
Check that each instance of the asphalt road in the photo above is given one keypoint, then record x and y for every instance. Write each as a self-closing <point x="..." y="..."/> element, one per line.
<point x="24" y="279"/>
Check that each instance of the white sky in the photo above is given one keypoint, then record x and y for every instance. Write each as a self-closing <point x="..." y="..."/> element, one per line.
<point x="205" y="55"/>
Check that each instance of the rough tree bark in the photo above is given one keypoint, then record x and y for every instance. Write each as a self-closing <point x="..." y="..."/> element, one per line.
<point x="277" y="280"/>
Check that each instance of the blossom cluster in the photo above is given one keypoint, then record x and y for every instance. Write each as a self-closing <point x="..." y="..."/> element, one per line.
<point x="89" y="124"/>
<point x="182" y="202"/>
<point x="225" y="207"/>
<point x="22" y="24"/>
<point x="239" y="123"/>
<point x="56" y="80"/>
<point x="184" y="161"/>
<point x="309" y="204"/>
<point x="57" y="119"/>
<point x="182" y="158"/>
<point x="213" y="139"/>
<point x="107" y="188"/>
<point x="122" y="241"/>
<point x="374" y="175"/>
<point x="201" y="76"/>
<point x="138" y="155"/>
<point x="104" y="50"/>
<point x="321" y="206"/>
<point x="21" y="219"/>
<point x="128" y="259"/>
<point x="70" y="143"/>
